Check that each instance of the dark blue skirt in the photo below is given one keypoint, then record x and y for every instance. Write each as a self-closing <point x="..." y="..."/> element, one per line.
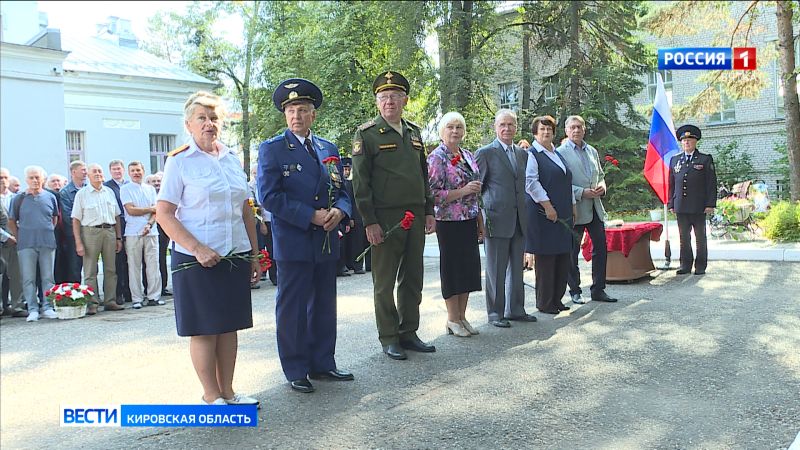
<point x="211" y="301"/>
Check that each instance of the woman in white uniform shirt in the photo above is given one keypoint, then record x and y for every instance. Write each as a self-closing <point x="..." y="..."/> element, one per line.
<point x="203" y="207"/>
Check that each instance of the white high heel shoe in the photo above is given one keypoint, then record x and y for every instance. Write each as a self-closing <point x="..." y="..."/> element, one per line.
<point x="457" y="329"/>
<point x="469" y="328"/>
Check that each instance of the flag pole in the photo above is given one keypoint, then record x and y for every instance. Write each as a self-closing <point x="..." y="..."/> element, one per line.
<point x="667" y="249"/>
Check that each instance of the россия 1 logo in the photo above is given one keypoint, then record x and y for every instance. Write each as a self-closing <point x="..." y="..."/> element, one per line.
<point x="707" y="58"/>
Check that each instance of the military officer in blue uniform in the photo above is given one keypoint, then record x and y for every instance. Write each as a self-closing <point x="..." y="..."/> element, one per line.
<point x="692" y="195"/>
<point x="307" y="200"/>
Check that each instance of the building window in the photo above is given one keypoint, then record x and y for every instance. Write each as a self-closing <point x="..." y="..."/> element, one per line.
<point x="76" y="144"/>
<point x="652" y="83"/>
<point x="160" y="145"/>
<point x="782" y="190"/>
<point x="550" y="89"/>
<point x="727" y="111"/>
<point x="509" y="96"/>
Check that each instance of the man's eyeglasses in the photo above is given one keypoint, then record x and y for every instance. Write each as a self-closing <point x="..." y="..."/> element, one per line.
<point x="394" y="97"/>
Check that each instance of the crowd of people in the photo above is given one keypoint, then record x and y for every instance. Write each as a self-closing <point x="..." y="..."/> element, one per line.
<point x="317" y="214"/>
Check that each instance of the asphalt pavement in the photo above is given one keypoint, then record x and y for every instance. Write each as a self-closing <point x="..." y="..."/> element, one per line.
<point x="680" y="362"/>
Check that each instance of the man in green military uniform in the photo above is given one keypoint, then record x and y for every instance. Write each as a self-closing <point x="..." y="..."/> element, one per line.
<point x="390" y="176"/>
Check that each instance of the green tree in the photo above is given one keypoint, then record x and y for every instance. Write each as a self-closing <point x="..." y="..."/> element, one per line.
<point x="732" y="165"/>
<point x="735" y="30"/>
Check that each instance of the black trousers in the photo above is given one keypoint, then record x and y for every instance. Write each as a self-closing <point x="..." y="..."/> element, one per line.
<point x="72" y="264"/>
<point x="687" y="223"/>
<point x="352" y="246"/>
<point x="551" y="280"/>
<point x="123" y="288"/>
<point x="597" y="231"/>
<point x="163" y="242"/>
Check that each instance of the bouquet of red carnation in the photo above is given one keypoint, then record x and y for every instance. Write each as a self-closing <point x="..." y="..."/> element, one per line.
<point x="456" y="159"/>
<point x="611" y="160"/>
<point x="69" y="294"/>
<point x="264" y="261"/>
<point x="405" y="223"/>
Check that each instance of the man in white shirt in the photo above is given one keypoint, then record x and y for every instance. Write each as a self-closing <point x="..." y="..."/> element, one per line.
<point x="97" y="230"/>
<point x="141" y="236"/>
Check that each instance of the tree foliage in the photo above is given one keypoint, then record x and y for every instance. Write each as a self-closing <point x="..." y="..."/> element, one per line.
<point x="732" y="165"/>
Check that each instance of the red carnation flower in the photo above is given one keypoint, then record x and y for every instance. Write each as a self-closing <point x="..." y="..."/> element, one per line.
<point x="615" y="163"/>
<point x="408" y="219"/>
<point x="76" y="285"/>
<point x="609" y="158"/>
<point x="331" y="160"/>
<point x="455" y="160"/>
<point x="59" y="297"/>
<point x="47" y="293"/>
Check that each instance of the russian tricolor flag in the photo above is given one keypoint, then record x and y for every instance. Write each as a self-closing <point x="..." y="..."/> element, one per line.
<point x="662" y="145"/>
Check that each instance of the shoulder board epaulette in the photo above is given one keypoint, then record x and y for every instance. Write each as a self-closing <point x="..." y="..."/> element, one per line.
<point x="277" y="138"/>
<point x="323" y="140"/>
<point x="178" y="150"/>
<point x="412" y="124"/>
<point x="365" y="125"/>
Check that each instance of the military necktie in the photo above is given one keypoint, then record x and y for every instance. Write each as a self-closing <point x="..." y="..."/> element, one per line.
<point x="310" y="149"/>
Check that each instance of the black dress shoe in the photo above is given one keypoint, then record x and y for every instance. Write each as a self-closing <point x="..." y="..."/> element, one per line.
<point x="699" y="272"/>
<point x="333" y="375"/>
<point x="549" y="312"/>
<point x="395" y="351"/>
<point x="525" y="318"/>
<point x="602" y="297"/>
<point x="415" y="344"/>
<point x="302" y="385"/>
<point x="682" y="271"/>
<point x="359" y="272"/>
<point x="563" y="307"/>
<point x="500" y="323"/>
<point x="342" y="273"/>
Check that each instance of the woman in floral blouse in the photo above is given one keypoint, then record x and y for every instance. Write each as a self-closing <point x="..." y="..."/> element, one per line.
<point x="456" y="186"/>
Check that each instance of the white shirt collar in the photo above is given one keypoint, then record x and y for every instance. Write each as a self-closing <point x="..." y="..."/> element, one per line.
<point x="303" y="139"/>
<point x="539" y="147"/>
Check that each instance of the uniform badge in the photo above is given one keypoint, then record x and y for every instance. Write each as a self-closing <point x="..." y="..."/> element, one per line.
<point x="285" y="168"/>
<point x="299" y="167"/>
<point x="677" y="167"/>
<point x="291" y="86"/>
<point x="291" y="146"/>
<point x="356" y="148"/>
<point x="698" y="167"/>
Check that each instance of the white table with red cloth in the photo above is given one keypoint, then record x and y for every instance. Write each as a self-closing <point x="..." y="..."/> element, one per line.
<point x="628" y="250"/>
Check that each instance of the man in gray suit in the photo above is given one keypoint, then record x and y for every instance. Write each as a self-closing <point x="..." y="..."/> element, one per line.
<point x="502" y="166"/>
<point x="588" y="186"/>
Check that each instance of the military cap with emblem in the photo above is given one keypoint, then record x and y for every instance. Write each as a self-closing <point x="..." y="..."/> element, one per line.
<point x="390" y="80"/>
<point x="347" y="162"/>
<point x="295" y="90"/>
<point x="687" y="131"/>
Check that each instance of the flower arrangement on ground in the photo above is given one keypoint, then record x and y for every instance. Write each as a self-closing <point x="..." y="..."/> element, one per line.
<point x="69" y="294"/>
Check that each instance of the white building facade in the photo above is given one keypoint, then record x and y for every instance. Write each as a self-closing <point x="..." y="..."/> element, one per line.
<point x="98" y="99"/>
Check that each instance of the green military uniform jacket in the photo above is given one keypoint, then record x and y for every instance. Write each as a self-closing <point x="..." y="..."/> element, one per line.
<point x="389" y="171"/>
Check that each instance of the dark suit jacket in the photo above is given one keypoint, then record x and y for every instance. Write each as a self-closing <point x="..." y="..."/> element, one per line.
<point x="115" y="187"/>
<point x="503" y="189"/>
<point x="692" y="184"/>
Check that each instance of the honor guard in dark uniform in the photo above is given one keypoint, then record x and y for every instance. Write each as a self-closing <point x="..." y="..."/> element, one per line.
<point x="390" y="176"/>
<point x="692" y="195"/>
<point x="307" y="200"/>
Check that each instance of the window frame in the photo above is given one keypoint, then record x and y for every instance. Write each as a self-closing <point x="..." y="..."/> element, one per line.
<point x="503" y="91"/>
<point x="160" y="146"/>
<point x="652" y="85"/>
<point x="723" y="112"/>
<point x="75" y="147"/>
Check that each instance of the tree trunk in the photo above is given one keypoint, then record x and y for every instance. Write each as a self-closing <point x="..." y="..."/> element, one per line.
<point x="455" y="57"/>
<point x="791" y="105"/>
<point x="574" y="102"/>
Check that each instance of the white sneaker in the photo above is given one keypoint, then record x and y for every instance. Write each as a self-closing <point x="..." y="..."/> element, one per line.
<point x="239" y="399"/>
<point x="137" y="305"/>
<point x="161" y="302"/>
<point x="218" y="401"/>
<point x="50" y="314"/>
<point x="33" y="316"/>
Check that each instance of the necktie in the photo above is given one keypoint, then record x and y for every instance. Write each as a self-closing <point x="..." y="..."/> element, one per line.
<point x="310" y="149"/>
<point x="511" y="157"/>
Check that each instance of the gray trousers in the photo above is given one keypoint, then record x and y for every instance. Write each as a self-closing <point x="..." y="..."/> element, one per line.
<point x="505" y="294"/>
<point x="29" y="260"/>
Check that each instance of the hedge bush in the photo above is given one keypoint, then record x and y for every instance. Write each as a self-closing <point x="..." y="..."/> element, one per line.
<point x="782" y="223"/>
